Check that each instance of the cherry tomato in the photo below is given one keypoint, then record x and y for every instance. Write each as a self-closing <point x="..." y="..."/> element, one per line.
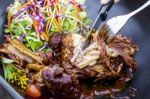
<point x="33" y="91"/>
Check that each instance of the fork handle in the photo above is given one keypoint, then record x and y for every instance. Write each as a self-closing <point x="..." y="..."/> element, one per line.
<point x="139" y="9"/>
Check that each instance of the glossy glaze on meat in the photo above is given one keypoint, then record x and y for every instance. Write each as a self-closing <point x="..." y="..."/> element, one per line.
<point x="99" y="69"/>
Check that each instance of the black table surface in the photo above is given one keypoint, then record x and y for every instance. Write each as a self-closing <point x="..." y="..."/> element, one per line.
<point x="138" y="28"/>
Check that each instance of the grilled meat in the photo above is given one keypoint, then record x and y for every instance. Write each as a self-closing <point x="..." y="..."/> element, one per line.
<point x="63" y="69"/>
<point x="58" y="83"/>
<point x="14" y="47"/>
<point x="98" y="60"/>
<point x="58" y="80"/>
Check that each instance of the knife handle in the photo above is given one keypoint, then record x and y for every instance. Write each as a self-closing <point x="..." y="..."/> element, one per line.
<point x="105" y="9"/>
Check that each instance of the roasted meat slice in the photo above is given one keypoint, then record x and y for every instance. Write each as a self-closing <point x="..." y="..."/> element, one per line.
<point x="17" y="49"/>
<point x="98" y="60"/>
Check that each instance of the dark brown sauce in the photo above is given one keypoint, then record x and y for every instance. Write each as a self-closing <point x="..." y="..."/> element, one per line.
<point x="89" y="90"/>
<point x="102" y="89"/>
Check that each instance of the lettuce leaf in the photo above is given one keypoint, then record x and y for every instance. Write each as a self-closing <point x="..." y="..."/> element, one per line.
<point x="35" y="44"/>
<point x="26" y="21"/>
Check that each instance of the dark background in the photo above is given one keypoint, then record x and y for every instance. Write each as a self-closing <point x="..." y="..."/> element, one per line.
<point x="137" y="28"/>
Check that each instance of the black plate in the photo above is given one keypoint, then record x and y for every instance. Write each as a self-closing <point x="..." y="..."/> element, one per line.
<point x="137" y="28"/>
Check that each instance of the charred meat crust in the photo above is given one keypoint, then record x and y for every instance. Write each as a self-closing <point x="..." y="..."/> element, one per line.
<point x="60" y="70"/>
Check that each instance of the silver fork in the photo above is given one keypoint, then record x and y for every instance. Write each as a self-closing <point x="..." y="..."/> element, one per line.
<point x="114" y="25"/>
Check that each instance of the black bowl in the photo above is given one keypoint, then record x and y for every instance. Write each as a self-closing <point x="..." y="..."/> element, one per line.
<point x="137" y="28"/>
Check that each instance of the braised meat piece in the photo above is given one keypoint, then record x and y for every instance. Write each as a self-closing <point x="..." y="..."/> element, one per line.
<point x="99" y="60"/>
<point x="55" y="42"/>
<point x="61" y="83"/>
<point x="63" y="69"/>
<point x="126" y="48"/>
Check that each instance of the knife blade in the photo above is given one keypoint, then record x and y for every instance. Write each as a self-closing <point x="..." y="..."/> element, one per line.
<point x="102" y="16"/>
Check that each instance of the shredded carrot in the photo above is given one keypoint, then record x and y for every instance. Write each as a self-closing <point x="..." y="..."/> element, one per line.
<point x="56" y="1"/>
<point x="34" y="24"/>
<point x="44" y="34"/>
<point x="59" y="28"/>
<point x="9" y="21"/>
<point x="46" y="37"/>
<point x="55" y="22"/>
<point x="49" y="21"/>
<point x="46" y="2"/>
<point x="24" y="5"/>
<point x="47" y="25"/>
<point x="59" y="19"/>
<point x="58" y="23"/>
<point x="76" y="5"/>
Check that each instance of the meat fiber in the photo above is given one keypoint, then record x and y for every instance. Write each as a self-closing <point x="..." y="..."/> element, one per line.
<point x="99" y="60"/>
<point x="62" y="70"/>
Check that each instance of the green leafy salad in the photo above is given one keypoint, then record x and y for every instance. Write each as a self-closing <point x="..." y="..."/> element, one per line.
<point x="34" y="21"/>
